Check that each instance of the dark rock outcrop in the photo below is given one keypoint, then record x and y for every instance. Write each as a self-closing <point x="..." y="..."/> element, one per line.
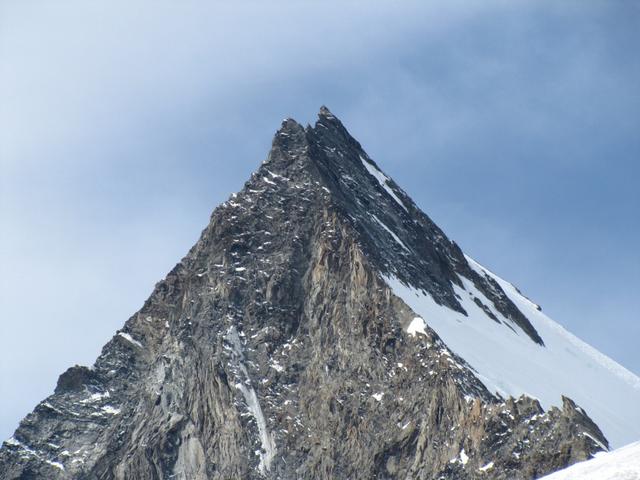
<point x="275" y="349"/>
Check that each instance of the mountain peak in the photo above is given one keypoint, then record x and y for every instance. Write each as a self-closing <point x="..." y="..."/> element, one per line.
<point x="325" y="112"/>
<point x="398" y="237"/>
<point x="283" y="346"/>
<point x="290" y="124"/>
<point x="329" y="127"/>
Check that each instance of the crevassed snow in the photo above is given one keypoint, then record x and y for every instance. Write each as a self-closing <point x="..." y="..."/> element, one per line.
<point x="390" y="232"/>
<point x="507" y="361"/>
<point x="382" y="180"/>
<point x="621" y="464"/>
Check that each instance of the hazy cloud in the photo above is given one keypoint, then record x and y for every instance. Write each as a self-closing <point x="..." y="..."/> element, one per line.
<point x="122" y="125"/>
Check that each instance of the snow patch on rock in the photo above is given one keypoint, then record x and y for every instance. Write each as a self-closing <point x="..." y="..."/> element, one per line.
<point x="268" y="451"/>
<point x="130" y="339"/>
<point x="416" y="326"/>
<point x="508" y="362"/>
<point x="382" y="180"/>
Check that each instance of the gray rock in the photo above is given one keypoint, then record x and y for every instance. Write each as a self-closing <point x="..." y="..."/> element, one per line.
<point x="274" y="349"/>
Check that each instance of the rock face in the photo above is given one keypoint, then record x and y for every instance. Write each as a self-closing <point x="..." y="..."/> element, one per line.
<point x="276" y="350"/>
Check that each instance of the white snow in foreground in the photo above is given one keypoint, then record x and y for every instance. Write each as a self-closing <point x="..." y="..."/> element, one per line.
<point x="621" y="464"/>
<point x="382" y="180"/>
<point x="130" y="339"/>
<point x="510" y="363"/>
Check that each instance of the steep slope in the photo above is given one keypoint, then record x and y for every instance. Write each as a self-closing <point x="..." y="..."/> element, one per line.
<point x="620" y="464"/>
<point x="511" y="365"/>
<point x="277" y="349"/>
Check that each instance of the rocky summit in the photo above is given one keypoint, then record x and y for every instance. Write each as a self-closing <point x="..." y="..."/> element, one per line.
<point x="278" y="348"/>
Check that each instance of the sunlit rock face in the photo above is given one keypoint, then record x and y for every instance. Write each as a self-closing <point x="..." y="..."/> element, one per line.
<point x="281" y="347"/>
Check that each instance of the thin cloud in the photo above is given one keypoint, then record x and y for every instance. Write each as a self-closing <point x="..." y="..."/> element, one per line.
<point x="121" y="129"/>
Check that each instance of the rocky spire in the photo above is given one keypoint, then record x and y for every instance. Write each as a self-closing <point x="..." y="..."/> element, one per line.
<point x="275" y="349"/>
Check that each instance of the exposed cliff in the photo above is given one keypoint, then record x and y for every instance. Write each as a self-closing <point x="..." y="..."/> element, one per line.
<point x="277" y="349"/>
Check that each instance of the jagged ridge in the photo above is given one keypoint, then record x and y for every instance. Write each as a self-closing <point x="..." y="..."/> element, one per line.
<point x="276" y="349"/>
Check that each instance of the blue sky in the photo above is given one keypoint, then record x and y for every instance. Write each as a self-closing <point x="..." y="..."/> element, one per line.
<point x="514" y="125"/>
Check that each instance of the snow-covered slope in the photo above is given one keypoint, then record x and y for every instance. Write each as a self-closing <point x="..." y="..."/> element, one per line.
<point x="621" y="464"/>
<point x="508" y="362"/>
<point x="274" y="350"/>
